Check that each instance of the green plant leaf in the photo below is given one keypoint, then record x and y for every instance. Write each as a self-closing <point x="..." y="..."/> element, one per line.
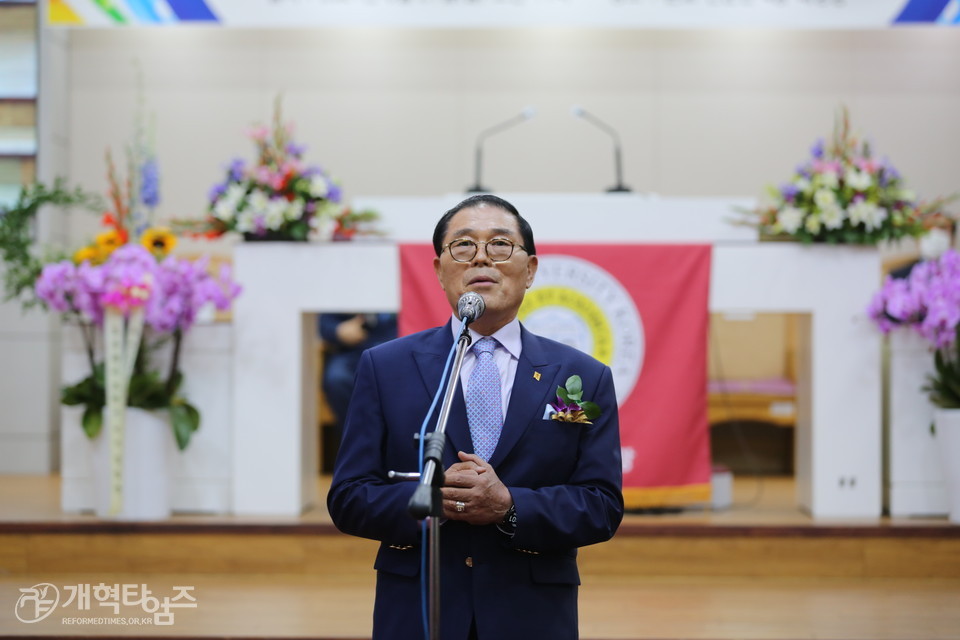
<point x="574" y="386"/>
<point x="185" y="420"/>
<point x="147" y="391"/>
<point x="92" y="421"/>
<point x="299" y="231"/>
<point x="590" y="409"/>
<point x="562" y="394"/>
<point x="89" y="391"/>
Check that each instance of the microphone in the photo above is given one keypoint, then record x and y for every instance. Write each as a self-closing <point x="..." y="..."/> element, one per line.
<point x="523" y="116"/>
<point x="470" y="307"/>
<point x="580" y="112"/>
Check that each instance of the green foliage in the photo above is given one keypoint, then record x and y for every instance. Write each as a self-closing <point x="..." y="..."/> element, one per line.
<point x="147" y="391"/>
<point x="186" y="420"/>
<point x="943" y="386"/>
<point x="299" y="230"/>
<point x="18" y="248"/>
<point x="92" y="421"/>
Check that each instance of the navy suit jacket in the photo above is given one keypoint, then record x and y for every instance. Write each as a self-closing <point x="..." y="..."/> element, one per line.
<point x="565" y="480"/>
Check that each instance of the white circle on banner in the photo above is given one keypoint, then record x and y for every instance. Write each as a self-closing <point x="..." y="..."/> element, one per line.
<point x="576" y="302"/>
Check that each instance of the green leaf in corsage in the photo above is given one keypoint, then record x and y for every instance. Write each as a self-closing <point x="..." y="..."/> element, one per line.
<point x="570" y="405"/>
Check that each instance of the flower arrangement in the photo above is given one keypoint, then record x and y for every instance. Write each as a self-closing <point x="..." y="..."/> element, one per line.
<point x="124" y="290"/>
<point x="122" y="283"/>
<point x="278" y="197"/>
<point x="570" y="405"/>
<point x="348" y="224"/>
<point x="928" y="302"/>
<point x="844" y="195"/>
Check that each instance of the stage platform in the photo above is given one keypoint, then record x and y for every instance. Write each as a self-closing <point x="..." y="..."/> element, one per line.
<point x="760" y="570"/>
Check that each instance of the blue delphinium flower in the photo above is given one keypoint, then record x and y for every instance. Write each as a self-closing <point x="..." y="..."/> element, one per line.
<point x="150" y="183"/>
<point x="296" y="150"/>
<point x="335" y="193"/>
<point x="817" y="149"/>
<point x="236" y="169"/>
<point x="888" y="173"/>
<point x="216" y="191"/>
<point x="789" y="191"/>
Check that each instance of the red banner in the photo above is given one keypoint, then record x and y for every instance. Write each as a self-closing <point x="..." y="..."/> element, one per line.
<point x="642" y="310"/>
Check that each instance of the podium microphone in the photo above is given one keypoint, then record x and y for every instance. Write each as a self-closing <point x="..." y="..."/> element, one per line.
<point x="523" y="116"/>
<point x="579" y="112"/>
<point x="470" y="307"/>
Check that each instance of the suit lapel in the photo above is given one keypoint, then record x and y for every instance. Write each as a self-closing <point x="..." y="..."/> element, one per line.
<point x="430" y="363"/>
<point x="529" y="396"/>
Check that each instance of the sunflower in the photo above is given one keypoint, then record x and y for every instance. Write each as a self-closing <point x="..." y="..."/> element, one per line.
<point x="108" y="241"/>
<point x="159" y="241"/>
<point x="89" y="254"/>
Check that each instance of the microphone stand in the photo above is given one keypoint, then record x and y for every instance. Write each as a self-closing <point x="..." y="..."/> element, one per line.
<point x="478" y="187"/>
<point x="617" y="156"/>
<point x="427" y="501"/>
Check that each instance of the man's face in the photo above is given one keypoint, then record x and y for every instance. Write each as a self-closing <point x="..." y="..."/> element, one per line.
<point x="501" y="284"/>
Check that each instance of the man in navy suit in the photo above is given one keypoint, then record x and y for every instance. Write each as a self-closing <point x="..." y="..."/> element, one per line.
<point x="522" y="491"/>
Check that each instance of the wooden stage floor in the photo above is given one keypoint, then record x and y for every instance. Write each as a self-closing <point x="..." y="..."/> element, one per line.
<point x="761" y="570"/>
<point x="757" y="502"/>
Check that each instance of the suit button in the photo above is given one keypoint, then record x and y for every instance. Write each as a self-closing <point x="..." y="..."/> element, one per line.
<point x="469" y="562"/>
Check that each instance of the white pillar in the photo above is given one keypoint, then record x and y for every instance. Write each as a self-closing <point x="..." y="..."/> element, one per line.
<point x="275" y="427"/>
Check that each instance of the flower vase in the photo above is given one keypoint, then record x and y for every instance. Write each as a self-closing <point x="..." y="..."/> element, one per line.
<point x="915" y="477"/>
<point x="947" y="424"/>
<point x="147" y="463"/>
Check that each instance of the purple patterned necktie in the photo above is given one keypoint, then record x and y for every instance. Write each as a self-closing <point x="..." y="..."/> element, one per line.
<point x="484" y="403"/>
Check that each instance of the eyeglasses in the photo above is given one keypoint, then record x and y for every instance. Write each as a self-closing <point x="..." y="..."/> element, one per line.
<point x="465" y="249"/>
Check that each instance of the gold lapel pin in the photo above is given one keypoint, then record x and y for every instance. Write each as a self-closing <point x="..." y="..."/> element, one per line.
<point x="536" y="376"/>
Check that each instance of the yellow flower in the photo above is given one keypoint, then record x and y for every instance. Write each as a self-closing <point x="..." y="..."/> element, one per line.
<point x="107" y="241"/>
<point x="159" y="241"/>
<point x="89" y="254"/>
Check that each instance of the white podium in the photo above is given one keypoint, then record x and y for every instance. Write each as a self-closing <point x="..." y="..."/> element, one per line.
<point x="839" y="413"/>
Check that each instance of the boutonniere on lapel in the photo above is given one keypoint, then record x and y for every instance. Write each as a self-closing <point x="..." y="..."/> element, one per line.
<point x="570" y="405"/>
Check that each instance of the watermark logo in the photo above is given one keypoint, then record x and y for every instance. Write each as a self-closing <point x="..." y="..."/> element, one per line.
<point x="38" y="602"/>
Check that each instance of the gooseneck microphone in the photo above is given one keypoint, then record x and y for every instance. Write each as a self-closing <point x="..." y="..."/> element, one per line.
<point x="580" y="112"/>
<point x="470" y="307"/>
<point x="523" y="116"/>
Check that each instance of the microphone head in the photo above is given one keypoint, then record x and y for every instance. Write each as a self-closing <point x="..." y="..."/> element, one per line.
<point x="529" y="111"/>
<point x="470" y="307"/>
<point x="577" y="111"/>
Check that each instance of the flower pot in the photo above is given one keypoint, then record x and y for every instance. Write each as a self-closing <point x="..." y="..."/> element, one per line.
<point x="916" y="486"/>
<point x="947" y="423"/>
<point x="147" y="468"/>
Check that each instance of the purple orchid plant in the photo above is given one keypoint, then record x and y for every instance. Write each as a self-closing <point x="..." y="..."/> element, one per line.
<point x="928" y="302"/>
<point x="171" y="293"/>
